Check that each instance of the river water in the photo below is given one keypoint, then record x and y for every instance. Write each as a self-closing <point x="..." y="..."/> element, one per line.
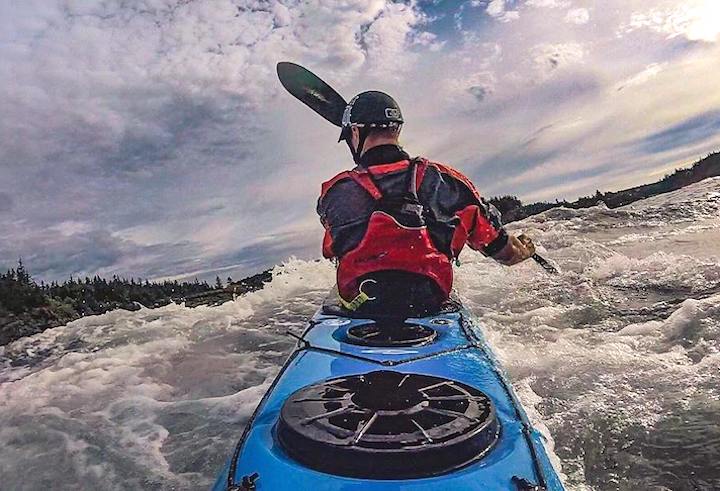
<point x="617" y="359"/>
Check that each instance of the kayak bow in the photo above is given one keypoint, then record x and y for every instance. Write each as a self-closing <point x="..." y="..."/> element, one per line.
<point x="415" y="404"/>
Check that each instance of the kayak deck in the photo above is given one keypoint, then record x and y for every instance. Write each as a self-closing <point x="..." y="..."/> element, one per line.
<point x="458" y="352"/>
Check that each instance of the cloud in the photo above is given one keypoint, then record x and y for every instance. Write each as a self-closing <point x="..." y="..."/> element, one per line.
<point x="386" y="38"/>
<point x="578" y="16"/>
<point x="54" y="256"/>
<point x="480" y="92"/>
<point x="153" y="139"/>
<point x="6" y="202"/>
<point x="696" y="20"/>
<point x="550" y="57"/>
<point x="554" y="4"/>
<point x="498" y="10"/>
<point x="650" y="72"/>
<point x="427" y="39"/>
<point x="696" y="129"/>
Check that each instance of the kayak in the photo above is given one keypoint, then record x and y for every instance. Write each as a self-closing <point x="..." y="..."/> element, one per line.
<point x="410" y="404"/>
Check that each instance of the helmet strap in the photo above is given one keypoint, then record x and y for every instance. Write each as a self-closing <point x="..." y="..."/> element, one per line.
<point x="364" y="131"/>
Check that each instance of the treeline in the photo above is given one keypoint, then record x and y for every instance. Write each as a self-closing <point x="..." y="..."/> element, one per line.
<point x="20" y="293"/>
<point x="513" y="209"/>
<point x="28" y="307"/>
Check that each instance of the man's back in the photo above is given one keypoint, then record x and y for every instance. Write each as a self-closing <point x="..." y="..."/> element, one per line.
<point x="345" y="207"/>
<point x="452" y="214"/>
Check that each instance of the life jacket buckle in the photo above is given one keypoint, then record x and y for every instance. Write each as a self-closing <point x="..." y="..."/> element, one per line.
<point x="360" y="288"/>
<point x="360" y="299"/>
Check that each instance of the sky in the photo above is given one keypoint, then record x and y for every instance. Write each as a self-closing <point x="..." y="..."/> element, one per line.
<point x="151" y="138"/>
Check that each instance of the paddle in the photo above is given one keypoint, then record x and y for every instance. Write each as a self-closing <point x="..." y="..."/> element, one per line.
<point x="309" y="89"/>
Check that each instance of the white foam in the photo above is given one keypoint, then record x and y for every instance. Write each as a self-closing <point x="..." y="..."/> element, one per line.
<point x="658" y="269"/>
<point x="691" y="315"/>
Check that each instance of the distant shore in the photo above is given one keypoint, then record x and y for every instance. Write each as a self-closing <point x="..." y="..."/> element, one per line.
<point x="513" y="209"/>
<point x="27" y="308"/>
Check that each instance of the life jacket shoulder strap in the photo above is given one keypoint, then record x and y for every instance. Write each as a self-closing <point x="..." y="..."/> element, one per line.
<point x="329" y="184"/>
<point x="382" y="169"/>
<point x="420" y="169"/>
<point x="365" y="179"/>
<point x="417" y="167"/>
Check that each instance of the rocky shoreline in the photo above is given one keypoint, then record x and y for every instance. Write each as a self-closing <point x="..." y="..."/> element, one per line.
<point x="513" y="209"/>
<point x="15" y="326"/>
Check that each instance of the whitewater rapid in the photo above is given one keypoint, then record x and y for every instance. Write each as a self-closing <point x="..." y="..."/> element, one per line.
<point x="618" y="358"/>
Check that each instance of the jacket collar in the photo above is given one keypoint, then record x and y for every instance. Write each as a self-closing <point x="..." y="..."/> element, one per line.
<point x="383" y="154"/>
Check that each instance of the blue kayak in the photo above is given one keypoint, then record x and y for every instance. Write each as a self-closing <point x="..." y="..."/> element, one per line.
<point x="393" y="404"/>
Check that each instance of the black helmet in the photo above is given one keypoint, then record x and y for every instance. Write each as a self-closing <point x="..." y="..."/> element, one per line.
<point x="371" y="109"/>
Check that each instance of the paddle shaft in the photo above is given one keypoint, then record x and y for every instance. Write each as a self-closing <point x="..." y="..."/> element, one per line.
<point x="544" y="263"/>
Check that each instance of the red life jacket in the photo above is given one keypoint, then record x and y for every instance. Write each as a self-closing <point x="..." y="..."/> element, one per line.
<point x="388" y="244"/>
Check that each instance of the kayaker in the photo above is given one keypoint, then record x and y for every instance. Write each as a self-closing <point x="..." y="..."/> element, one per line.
<point x="396" y="224"/>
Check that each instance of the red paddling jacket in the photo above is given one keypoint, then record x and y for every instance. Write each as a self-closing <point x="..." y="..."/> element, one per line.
<point x="397" y="213"/>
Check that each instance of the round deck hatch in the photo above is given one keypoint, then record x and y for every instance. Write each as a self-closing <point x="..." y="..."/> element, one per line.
<point x="387" y="425"/>
<point x="391" y="334"/>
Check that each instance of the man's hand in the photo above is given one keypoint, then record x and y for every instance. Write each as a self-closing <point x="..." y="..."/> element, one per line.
<point x="527" y="245"/>
<point x="516" y="250"/>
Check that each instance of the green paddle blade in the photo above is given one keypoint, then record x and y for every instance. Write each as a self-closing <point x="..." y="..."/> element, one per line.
<point x="312" y="91"/>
